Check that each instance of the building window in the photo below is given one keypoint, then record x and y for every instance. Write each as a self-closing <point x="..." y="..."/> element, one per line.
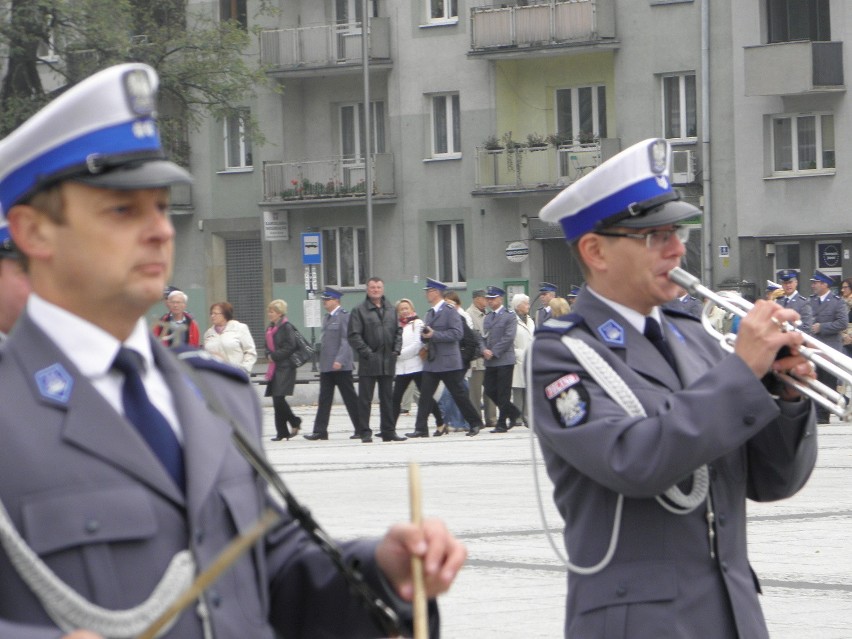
<point x="351" y="11"/>
<point x="234" y="10"/>
<point x="238" y="141"/>
<point x="443" y="10"/>
<point x="352" y="143"/>
<point x="791" y="20"/>
<point x="344" y="256"/>
<point x="802" y="143"/>
<point x="787" y="257"/>
<point x="446" y="125"/>
<point x="680" y="119"/>
<point x="581" y="114"/>
<point x="449" y="253"/>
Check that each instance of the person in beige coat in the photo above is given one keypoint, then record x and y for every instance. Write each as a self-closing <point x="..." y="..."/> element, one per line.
<point x="229" y="340"/>
<point x="523" y="338"/>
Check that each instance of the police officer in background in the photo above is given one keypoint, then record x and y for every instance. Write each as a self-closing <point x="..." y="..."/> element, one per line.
<point x="678" y="567"/>
<point x="442" y="333"/>
<point x="546" y="292"/>
<point x="500" y="326"/>
<point x="830" y="320"/>
<point x="789" y="279"/>
<point x="686" y="303"/>
<point x="335" y="365"/>
<point x="116" y="478"/>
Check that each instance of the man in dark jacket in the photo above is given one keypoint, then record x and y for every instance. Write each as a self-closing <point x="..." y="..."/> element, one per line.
<point x="375" y="336"/>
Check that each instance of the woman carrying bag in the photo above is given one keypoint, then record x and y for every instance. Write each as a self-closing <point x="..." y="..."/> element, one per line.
<point x="281" y="343"/>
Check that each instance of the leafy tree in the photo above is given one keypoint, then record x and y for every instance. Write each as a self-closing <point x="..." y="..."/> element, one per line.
<point x="203" y="68"/>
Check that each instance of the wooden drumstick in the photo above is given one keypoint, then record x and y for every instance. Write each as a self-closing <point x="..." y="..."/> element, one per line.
<point x="421" y="625"/>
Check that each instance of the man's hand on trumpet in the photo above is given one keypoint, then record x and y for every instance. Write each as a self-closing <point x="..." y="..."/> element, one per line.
<point x="443" y="556"/>
<point x="760" y="338"/>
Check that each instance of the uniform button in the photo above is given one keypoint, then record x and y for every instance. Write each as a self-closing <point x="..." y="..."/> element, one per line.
<point x="722" y="520"/>
<point x="199" y="537"/>
<point x="724" y="566"/>
<point x="215" y="598"/>
<point x="713" y="473"/>
<point x="621" y="591"/>
<point x="92" y="526"/>
<point x="749" y="420"/>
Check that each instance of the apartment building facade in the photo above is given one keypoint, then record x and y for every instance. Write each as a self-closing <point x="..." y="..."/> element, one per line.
<point x="479" y="112"/>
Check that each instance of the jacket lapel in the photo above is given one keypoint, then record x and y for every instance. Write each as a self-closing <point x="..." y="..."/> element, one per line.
<point x="85" y="418"/>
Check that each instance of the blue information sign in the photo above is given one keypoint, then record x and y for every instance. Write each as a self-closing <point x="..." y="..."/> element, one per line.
<point x="311" y="248"/>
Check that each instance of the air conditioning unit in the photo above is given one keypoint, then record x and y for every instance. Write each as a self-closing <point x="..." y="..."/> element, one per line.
<point x="683" y="166"/>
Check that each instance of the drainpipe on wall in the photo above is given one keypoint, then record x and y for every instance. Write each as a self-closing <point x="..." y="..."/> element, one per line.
<point x="707" y="253"/>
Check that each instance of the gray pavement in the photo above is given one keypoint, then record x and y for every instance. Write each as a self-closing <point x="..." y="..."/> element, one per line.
<point x="513" y="584"/>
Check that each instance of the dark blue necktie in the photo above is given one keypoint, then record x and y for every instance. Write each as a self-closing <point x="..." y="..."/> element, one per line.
<point x="655" y="335"/>
<point x="149" y="421"/>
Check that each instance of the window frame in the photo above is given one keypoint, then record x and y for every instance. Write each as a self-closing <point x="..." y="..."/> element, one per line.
<point x="244" y="151"/>
<point x="378" y="143"/>
<point x="820" y="149"/>
<point x="450" y="12"/>
<point x="227" y="8"/>
<point x="682" y="107"/>
<point x="457" y="256"/>
<point x="452" y="125"/>
<point x="598" y="112"/>
<point x="333" y="250"/>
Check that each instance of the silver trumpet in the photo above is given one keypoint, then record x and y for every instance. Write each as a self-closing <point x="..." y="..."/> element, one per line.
<point x="818" y="354"/>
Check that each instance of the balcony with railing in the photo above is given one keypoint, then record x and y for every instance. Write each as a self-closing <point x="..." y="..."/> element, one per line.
<point x="323" y="182"/>
<point x="324" y="46"/>
<point x="510" y="171"/>
<point x="556" y="24"/>
<point x="793" y="68"/>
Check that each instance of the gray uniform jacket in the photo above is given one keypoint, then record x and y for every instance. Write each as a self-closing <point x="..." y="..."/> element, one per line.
<point x="444" y="353"/>
<point x="375" y="335"/>
<point x="802" y="306"/>
<point x="691" y="305"/>
<point x="662" y="581"/>
<point x="335" y="342"/>
<point x="542" y="315"/>
<point x="500" y="328"/>
<point x="89" y="496"/>
<point x="832" y="315"/>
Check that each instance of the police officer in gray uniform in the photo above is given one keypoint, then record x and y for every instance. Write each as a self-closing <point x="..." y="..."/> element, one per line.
<point x="789" y="279"/>
<point x="335" y="365"/>
<point x="686" y="303"/>
<point x="830" y="320"/>
<point x="442" y="332"/>
<point x="118" y="483"/>
<point x="626" y="404"/>
<point x="546" y="292"/>
<point x="500" y="327"/>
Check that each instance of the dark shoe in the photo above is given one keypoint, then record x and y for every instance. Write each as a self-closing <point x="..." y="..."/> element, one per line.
<point x="366" y="439"/>
<point x="441" y="430"/>
<point x="499" y="429"/>
<point x="355" y="436"/>
<point x="473" y="431"/>
<point x="416" y="434"/>
<point x="393" y="438"/>
<point x="278" y="438"/>
<point x="313" y="437"/>
<point x="296" y="425"/>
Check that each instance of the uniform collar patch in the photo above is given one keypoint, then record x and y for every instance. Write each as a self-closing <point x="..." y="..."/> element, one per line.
<point x="612" y="333"/>
<point x="55" y="383"/>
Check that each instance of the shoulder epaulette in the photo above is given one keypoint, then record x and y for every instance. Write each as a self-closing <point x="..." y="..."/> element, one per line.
<point x="678" y="313"/>
<point x="202" y="360"/>
<point x="449" y="305"/>
<point x="560" y="325"/>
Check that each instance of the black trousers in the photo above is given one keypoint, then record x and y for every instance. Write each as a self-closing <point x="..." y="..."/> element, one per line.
<point x="283" y="414"/>
<point x="342" y="380"/>
<point x="366" y="388"/>
<point x="400" y="385"/>
<point x="454" y="381"/>
<point x="498" y="387"/>
<point x="831" y="381"/>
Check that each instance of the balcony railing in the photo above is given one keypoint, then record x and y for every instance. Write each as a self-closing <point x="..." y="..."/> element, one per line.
<point x="534" y="168"/>
<point x="326" y="179"/>
<point x="792" y="68"/>
<point x="325" y="45"/>
<point x="552" y="24"/>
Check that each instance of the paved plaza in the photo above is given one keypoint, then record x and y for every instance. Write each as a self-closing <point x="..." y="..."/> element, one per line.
<point x="513" y="584"/>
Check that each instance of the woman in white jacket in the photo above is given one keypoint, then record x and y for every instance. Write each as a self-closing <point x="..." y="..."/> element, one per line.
<point x="409" y="364"/>
<point x="523" y="339"/>
<point x="228" y="339"/>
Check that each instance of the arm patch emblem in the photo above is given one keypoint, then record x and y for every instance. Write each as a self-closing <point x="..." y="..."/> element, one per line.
<point x="569" y="400"/>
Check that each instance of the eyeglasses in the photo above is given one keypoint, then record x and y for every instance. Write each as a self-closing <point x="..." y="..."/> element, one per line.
<point x="216" y="312"/>
<point x="844" y="286"/>
<point x="656" y="239"/>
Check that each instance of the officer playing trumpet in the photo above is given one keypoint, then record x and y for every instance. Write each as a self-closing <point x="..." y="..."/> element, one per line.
<point x="632" y="400"/>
